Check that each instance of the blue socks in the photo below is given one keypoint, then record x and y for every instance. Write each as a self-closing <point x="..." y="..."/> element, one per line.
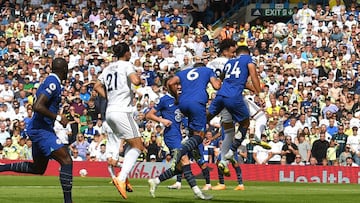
<point x="66" y="178"/>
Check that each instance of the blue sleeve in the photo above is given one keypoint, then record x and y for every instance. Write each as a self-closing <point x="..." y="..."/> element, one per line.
<point x="50" y="87"/>
<point x="159" y="106"/>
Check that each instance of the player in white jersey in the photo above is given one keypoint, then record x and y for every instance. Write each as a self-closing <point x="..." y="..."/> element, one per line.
<point x="114" y="83"/>
<point x="113" y="148"/>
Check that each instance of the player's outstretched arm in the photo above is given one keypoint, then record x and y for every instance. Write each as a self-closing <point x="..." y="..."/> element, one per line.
<point x="254" y="78"/>
<point x="99" y="88"/>
<point x="135" y="79"/>
<point x="152" y="116"/>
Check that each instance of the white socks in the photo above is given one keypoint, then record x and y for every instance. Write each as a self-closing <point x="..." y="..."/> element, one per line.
<point x="129" y="162"/>
<point x="111" y="171"/>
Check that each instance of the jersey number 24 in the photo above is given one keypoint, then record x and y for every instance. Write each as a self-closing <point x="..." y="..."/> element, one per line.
<point x="232" y="70"/>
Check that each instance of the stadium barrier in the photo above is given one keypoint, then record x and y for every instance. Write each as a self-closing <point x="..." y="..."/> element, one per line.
<point x="275" y="173"/>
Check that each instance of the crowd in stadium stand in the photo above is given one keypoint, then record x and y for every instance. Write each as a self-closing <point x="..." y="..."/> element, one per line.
<point x="309" y="77"/>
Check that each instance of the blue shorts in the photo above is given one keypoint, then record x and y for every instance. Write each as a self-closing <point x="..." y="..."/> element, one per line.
<point x="235" y="106"/>
<point x="173" y="141"/>
<point x="44" y="142"/>
<point x="196" y="113"/>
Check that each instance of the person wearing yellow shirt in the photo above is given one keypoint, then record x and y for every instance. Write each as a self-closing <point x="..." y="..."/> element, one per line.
<point x="171" y="38"/>
<point x="242" y="41"/>
<point x="273" y="109"/>
<point x="11" y="150"/>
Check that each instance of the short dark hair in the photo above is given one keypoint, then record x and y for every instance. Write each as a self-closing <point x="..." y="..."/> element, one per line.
<point x="242" y="49"/>
<point x="120" y="49"/>
<point x="59" y="65"/>
<point x="226" y="44"/>
<point x="199" y="65"/>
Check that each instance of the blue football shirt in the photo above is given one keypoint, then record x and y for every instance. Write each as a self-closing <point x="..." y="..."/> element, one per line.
<point x="51" y="88"/>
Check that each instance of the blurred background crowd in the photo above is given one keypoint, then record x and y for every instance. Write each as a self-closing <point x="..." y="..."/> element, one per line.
<point x="308" y="69"/>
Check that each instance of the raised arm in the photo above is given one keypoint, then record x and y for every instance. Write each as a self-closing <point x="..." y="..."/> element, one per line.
<point x="99" y="88"/>
<point x="255" y="81"/>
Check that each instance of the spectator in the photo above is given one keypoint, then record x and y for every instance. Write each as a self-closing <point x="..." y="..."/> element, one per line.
<point x="90" y="132"/>
<point x="153" y="147"/>
<point x="319" y="148"/>
<point x="75" y="156"/>
<point x="354" y="143"/>
<point x="304" y="148"/>
<point x="4" y="134"/>
<point x="261" y="155"/>
<point x="331" y="152"/>
<point x="276" y="147"/>
<point x="298" y="161"/>
<point x="80" y="146"/>
<point x="289" y="150"/>
<point x="350" y="162"/>
<point x="11" y="150"/>
<point x="340" y="138"/>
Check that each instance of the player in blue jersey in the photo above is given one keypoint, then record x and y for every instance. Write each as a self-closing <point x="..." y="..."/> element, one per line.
<point x="235" y="80"/>
<point x="46" y="144"/>
<point x="192" y="103"/>
<point x="171" y="117"/>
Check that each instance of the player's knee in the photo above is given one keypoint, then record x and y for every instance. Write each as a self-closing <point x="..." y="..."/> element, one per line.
<point x="185" y="160"/>
<point x="245" y="123"/>
<point x="228" y="125"/>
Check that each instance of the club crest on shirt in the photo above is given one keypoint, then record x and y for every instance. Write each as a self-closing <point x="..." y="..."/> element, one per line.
<point x="58" y="141"/>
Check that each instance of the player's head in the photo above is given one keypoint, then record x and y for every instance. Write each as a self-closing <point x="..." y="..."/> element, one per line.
<point x="227" y="48"/>
<point x="122" y="50"/>
<point x="242" y="50"/>
<point x="196" y="65"/>
<point x="60" y="68"/>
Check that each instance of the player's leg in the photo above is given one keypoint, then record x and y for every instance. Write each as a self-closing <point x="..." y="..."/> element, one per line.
<point x="241" y="115"/>
<point x="260" y="125"/>
<point x="202" y="156"/>
<point x="186" y="169"/>
<point x="62" y="156"/>
<point x="227" y="131"/>
<point x="196" y="113"/>
<point x="40" y="161"/>
<point x="123" y="123"/>
<point x="38" y="166"/>
<point x="238" y="171"/>
<point x="221" y="184"/>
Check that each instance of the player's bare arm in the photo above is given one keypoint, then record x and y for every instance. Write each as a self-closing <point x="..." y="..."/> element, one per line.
<point x="99" y="88"/>
<point x="152" y="116"/>
<point x="215" y="82"/>
<point x="254" y="78"/>
<point x="135" y="79"/>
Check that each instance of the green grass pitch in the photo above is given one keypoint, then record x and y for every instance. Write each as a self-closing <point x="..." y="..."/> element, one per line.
<point x="31" y="189"/>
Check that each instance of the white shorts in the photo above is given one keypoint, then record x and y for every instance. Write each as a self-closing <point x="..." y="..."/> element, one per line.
<point x="123" y="124"/>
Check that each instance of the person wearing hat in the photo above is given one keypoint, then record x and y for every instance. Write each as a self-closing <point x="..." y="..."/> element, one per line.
<point x="226" y="32"/>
